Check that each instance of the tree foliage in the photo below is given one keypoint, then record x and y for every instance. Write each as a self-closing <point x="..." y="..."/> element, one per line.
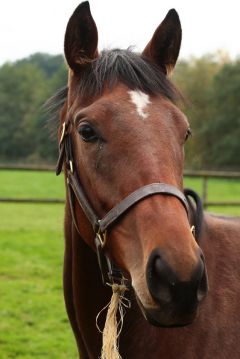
<point x="210" y="85"/>
<point x="224" y="129"/>
<point x="24" y="87"/>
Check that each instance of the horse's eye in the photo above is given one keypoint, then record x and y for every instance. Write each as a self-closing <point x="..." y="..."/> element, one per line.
<point x="88" y="133"/>
<point x="188" y="134"/>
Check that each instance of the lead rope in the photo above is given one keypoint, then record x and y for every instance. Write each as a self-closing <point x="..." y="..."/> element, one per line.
<point x="113" y="326"/>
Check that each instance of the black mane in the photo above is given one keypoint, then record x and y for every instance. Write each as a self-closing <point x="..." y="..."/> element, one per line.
<point x="125" y="66"/>
<point x="135" y="71"/>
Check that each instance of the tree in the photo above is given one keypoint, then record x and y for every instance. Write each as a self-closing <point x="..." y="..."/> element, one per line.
<point x="24" y="87"/>
<point x="210" y="84"/>
<point x="20" y="91"/>
<point x="195" y="79"/>
<point x="47" y="63"/>
<point x="224" y="129"/>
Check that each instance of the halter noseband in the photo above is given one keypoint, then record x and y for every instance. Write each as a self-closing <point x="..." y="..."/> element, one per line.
<point x="100" y="226"/>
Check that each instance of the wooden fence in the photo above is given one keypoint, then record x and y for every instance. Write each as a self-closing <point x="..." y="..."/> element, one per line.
<point x="204" y="175"/>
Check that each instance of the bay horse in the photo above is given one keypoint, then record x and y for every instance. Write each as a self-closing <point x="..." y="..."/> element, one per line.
<point x="127" y="216"/>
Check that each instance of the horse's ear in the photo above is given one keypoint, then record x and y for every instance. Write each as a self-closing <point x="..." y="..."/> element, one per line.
<point x="81" y="38"/>
<point x="163" y="48"/>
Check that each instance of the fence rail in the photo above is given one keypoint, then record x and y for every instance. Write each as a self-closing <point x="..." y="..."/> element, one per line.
<point x="32" y="200"/>
<point x="26" y="167"/>
<point x="204" y="175"/>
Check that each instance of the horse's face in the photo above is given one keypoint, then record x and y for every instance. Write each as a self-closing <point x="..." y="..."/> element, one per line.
<point x="124" y="139"/>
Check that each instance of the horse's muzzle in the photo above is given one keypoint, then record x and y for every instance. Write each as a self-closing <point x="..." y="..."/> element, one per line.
<point x="177" y="300"/>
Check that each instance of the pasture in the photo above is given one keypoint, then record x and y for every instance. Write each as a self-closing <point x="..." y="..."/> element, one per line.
<point x="33" y="319"/>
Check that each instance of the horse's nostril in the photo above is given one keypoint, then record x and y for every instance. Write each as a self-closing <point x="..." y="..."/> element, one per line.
<point x="166" y="287"/>
<point x="162" y="284"/>
<point x="159" y="266"/>
<point x="162" y="271"/>
<point x="160" y="278"/>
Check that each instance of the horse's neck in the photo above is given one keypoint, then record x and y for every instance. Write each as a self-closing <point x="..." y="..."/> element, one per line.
<point x="84" y="292"/>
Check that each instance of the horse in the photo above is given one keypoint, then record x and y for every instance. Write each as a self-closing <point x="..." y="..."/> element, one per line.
<point x="128" y="219"/>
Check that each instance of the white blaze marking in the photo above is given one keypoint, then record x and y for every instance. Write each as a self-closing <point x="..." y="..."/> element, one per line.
<point x="140" y="100"/>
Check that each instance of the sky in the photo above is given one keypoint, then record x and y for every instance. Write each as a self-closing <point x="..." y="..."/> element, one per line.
<point x="29" y="26"/>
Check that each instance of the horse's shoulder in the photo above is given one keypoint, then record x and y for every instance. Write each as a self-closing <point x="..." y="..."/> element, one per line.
<point x="221" y="234"/>
<point x="217" y="222"/>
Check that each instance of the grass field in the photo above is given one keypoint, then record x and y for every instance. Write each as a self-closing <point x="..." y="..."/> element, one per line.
<point x="33" y="321"/>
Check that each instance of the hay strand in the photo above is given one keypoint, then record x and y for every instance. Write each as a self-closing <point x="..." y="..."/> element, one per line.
<point x="113" y="326"/>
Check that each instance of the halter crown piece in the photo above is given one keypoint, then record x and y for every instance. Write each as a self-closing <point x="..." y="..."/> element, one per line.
<point x="110" y="274"/>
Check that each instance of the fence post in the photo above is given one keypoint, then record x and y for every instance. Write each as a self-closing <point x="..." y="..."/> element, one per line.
<point x="205" y="191"/>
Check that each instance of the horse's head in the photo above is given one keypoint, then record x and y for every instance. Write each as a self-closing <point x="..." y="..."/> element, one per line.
<point x="126" y="132"/>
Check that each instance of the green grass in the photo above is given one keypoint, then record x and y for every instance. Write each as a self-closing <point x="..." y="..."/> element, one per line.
<point x="218" y="190"/>
<point x="33" y="184"/>
<point x="33" y="321"/>
<point x="20" y="184"/>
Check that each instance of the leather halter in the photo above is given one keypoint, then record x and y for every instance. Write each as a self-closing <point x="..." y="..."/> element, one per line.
<point x="100" y="226"/>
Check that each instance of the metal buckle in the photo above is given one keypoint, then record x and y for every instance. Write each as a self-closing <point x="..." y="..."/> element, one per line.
<point x="71" y="166"/>
<point x="193" y="230"/>
<point x="103" y="261"/>
<point x="63" y="132"/>
<point x="102" y="237"/>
